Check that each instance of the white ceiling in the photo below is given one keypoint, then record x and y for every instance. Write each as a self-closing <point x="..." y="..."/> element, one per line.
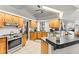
<point x="70" y="12"/>
<point x="67" y="9"/>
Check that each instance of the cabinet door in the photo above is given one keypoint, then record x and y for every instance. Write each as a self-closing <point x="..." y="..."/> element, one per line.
<point x="15" y="20"/>
<point x="39" y="35"/>
<point x="8" y="18"/>
<point x="1" y="19"/>
<point x="23" y="40"/>
<point x="44" y="34"/>
<point x="54" y="23"/>
<point x="44" y="47"/>
<point x="32" y="23"/>
<point x="3" y="47"/>
<point x="20" y="22"/>
<point x="33" y="35"/>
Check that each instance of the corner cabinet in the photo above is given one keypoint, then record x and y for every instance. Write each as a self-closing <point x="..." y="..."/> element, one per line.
<point x="3" y="45"/>
<point x="23" y="39"/>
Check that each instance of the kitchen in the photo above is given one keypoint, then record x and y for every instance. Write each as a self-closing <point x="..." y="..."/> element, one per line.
<point x="50" y="28"/>
<point x="12" y="36"/>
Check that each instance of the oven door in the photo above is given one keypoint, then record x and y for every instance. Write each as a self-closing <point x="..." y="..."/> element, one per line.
<point x="14" y="45"/>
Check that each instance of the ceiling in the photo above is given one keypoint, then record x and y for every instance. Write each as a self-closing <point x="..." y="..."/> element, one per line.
<point x="70" y="11"/>
<point x="34" y="11"/>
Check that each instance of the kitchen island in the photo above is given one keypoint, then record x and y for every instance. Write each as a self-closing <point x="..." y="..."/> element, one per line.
<point x="63" y="42"/>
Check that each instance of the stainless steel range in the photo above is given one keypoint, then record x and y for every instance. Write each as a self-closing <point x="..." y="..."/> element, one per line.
<point x="14" y="42"/>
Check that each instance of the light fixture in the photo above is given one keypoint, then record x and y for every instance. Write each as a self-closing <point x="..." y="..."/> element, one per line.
<point x="54" y="10"/>
<point x="50" y="9"/>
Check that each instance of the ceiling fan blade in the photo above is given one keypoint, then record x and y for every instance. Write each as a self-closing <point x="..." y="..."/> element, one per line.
<point x="38" y="10"/>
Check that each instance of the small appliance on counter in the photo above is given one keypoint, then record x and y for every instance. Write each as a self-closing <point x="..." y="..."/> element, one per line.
<point x="54" y="37"/>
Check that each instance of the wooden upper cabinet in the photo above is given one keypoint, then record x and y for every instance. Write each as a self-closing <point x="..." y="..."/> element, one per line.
<point x="15" y="19"/>
<point x="44" y="34"/>
<point x="20" y="22"/>
<point x="54" y="23"/>
<point x="2" y="19"/>
<point x="32" y="23"/>
<point x="8" y="18"/>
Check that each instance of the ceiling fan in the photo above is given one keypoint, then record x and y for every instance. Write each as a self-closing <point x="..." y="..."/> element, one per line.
<point x="39" y="9"/>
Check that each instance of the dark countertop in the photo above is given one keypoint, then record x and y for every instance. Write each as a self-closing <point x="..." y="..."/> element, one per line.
<point x="62" y="38"/>
<point x="59" y="46"/>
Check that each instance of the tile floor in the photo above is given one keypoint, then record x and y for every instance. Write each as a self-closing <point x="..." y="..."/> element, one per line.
<point x="34" y="47"/>
<point x="31" y="47"/>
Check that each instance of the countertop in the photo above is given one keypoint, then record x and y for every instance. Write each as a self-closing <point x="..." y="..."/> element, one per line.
<point x="8" y="29"/>
<point x="63" y="39"/>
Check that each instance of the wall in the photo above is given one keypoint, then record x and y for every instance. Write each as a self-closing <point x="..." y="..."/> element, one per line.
<point x="46" y="25"/>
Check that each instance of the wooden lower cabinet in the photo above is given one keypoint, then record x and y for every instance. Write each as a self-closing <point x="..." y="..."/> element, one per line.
<point x="44" y="47"/>
<point x="33" y="35"/>
<point x="37" y="35"/>
<point x="23" y="39"/>
<point x="3" y="45"/>
<point x="44" y="34"/>
<point x="77" y="34"/>
<point x="41" y="34"/>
